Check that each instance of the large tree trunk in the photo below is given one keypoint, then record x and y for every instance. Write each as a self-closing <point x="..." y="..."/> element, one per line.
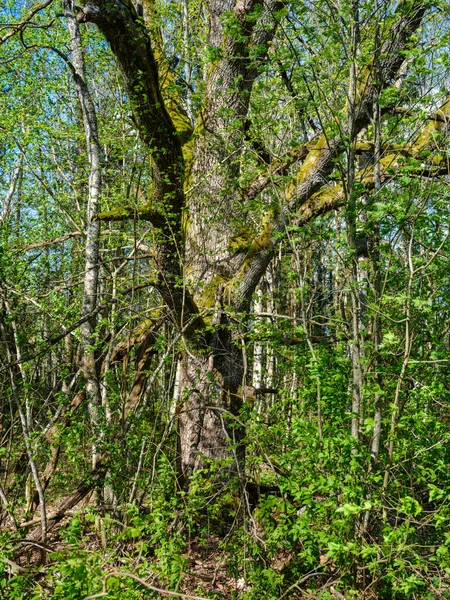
<point x="197" y="208"/>
<point x="213" y="382"/>
<point x="208" y="429"/>
<point x="196" y="251"/>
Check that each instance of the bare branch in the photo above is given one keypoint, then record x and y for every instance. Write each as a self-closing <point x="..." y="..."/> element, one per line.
<point x="21" y="25"/>
<point x="161" y="591"/>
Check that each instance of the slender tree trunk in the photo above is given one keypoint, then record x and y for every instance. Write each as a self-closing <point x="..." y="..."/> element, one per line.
<point x="374" y="254"/>
<point x="187" y="60"/>
<point x="352" y="233"/>
<point x="6" y="207"/>
<point x="25" y="414"/>
<point x="374" y="257"/>
<point x="92" y="225"/>
<point x="257" y="376"/>
<point x="408" y="335"/>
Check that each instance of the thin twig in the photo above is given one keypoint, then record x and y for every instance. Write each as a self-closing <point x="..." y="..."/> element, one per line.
<point x="299" y="582"/>
<point x="148" y="586"/>
<point x="20" y="26"/>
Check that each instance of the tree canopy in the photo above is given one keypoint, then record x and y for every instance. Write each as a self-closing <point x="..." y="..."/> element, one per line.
<point x="224" y="299"/>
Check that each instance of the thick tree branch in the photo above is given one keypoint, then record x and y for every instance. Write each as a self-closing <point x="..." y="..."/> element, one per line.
<point x="390" y="165"/>
<point x="130" y="43"/>
<point x="315" y="170"/>
<point x="276" y="169"/>
<point x="139" y="213"/>
<point x="167" y="77"/>
<point x="319" y="163"/>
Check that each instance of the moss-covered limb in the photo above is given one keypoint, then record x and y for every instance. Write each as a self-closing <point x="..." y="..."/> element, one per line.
<point x="280" y="167"/>
<point x="131" y="45"/>
<point x="428" y="138"/>
<point x="437" y="116"/>
<point x="250" y="242"/>
<point x="320" y="203"/>
<point x="173" y="99"/>
<point x="142" y="333"/>
<point x="317" y="166"/>
<point x="276" y="169"/>
<point x="259" y="253"/>
<point x="316" y="169"/>
<point x="167" y="77"/>
<point x="333" y="197"/>
<point x="211" y="296"/>
<point x="123" y="213"/>
<point x="426" y="146"/>
<point x="368" y="146"/>
<point x="259" y="248"/>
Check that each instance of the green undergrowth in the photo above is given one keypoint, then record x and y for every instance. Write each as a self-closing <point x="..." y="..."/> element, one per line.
<point x="325" y="522"/>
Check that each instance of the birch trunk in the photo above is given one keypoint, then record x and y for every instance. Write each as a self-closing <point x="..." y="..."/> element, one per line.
<point x="355" y="349"/>
<point x="91" y="270"/>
